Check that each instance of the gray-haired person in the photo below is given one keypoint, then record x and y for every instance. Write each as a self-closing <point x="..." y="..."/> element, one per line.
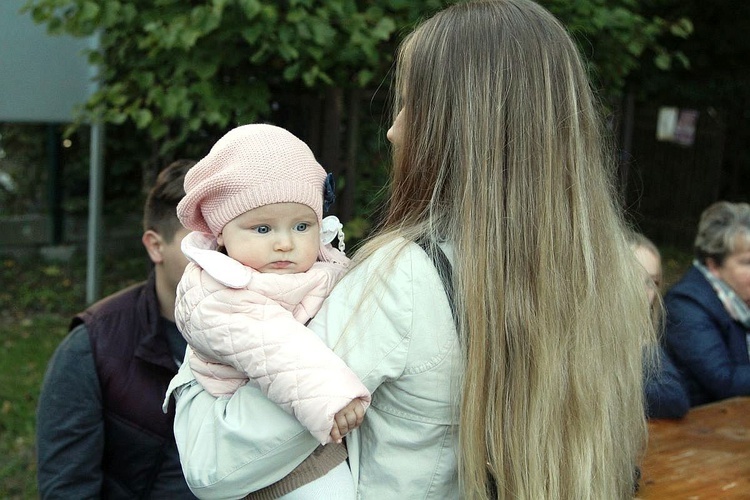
<point x="708" y="310"/>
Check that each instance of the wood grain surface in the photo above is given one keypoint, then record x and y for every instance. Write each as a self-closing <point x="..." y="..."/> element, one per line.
<point x="706" y="455"/>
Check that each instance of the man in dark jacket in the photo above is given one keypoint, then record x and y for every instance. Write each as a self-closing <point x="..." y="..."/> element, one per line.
<point x="101" y="432"/>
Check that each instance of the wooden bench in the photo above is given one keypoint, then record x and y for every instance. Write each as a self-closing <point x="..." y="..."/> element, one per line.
<point x="706" y="455"/>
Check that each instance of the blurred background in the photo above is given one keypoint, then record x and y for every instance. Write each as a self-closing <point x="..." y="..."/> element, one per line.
<point x="174" y="76"/>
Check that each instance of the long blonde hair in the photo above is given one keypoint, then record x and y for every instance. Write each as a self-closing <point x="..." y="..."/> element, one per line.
<point x="503" y="155"/>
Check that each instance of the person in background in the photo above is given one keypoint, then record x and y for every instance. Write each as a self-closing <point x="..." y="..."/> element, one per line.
<point x="666" y="396"/>
<point x="534" y="388"/>
<point x="101" y="432"/>
<point x="708" y="310"/>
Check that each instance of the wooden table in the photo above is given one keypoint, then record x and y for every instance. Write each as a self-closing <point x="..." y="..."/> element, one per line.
<point x="706" y="455"/>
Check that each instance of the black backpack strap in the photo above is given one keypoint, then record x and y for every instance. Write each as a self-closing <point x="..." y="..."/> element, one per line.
<point x="444" y="269"/>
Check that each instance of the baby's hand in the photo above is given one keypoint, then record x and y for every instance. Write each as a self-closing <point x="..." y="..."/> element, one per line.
<point x="347" y="419"/>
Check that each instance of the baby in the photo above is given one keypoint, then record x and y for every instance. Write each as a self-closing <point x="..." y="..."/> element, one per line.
<point x="261" y="265"/>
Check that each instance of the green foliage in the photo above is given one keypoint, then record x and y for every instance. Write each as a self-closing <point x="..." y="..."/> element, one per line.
<point x="616" y="35"/>
<point x="717" y="75"/>
<point x="174" y="75"/>
<point x="372" y="175"/>
<point x="176" y="68"/>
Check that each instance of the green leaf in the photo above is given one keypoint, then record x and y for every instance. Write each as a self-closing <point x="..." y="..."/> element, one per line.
<point x="173" y="101"/>
<point x="116" y="117"/>
<point x="323" y="33"/>
<point x="310" y="76"/>
<point x="55" y="26"/>
<point x="142" y="118"/>
<point x="663" y="61"/>
<point x="270" y="12"/>
<point x="364" y="77"/>
<point x="194" y="123"/>
<point x="384" y="28"/>
<point x="683" y="59"/>
<point x="683" y="28"/>
<point x="296" y="16"/>
<point x="635" y="46"/>
<point x="291" y="71"/>
<point x="215" y="117"/>
<point x="259" y="55"/>
<point x="89" y="11"/>
<point x="158" y="129"/>
<point x="118" y="99"/>
<point x="144" y="79"/>
<point x="205" y="69"/>
<point x="252" y="33"/>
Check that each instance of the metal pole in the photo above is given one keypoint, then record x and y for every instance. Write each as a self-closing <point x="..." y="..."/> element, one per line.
<point x="96" y="189"/>
<point x="96" y="192"/>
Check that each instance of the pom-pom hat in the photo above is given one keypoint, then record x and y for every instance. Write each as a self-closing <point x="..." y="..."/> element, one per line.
<point x="250" y="166"/>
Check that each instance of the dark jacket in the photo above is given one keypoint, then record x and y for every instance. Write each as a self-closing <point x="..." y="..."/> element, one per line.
<point x="101" y="431"/>
<point x="666" y="396"/>
<point x="708" y="347"/>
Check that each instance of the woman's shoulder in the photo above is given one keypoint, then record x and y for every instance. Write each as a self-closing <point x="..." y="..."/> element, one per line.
<point x="693" y="297"/>
<point x="398" y="253"/>
<point x="398" y="268"/>
<point x="397" y="265"/>
<point x="692" y="284"/>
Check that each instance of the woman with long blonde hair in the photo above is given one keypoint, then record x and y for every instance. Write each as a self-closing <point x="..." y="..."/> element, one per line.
<point x="533" y="387"/>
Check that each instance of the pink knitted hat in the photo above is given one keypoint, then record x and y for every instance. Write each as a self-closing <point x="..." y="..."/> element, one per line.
<point x="251" y="166"/>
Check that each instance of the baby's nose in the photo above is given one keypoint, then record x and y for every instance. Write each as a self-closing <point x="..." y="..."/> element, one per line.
<point x="283" y="243"/>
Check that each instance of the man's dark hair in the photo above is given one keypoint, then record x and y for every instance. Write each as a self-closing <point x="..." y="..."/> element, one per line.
<point x="160" y="210"/>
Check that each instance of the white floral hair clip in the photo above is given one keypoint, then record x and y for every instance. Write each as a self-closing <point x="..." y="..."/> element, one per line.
<point x="331" y="228"/>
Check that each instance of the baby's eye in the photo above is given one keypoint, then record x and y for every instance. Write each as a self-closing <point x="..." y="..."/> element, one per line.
<point x="302" y="226"/>
<point x="262" y="229"/>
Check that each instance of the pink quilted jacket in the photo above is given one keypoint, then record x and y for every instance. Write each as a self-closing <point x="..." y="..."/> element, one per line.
<point x="242" y="324"/>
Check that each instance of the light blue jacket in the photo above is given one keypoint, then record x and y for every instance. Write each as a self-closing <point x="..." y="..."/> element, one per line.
<point x="390" y="321"/>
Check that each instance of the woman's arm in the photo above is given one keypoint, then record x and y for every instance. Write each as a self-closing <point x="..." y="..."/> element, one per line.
<point x="232" y="446"/>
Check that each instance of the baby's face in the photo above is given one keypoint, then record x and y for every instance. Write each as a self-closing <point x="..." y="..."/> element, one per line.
<point x="281" y="238"/>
